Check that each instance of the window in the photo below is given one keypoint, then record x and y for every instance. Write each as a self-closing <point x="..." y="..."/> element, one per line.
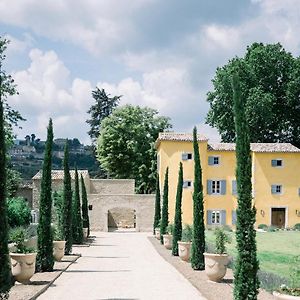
<point x="213" y="160"/>
<point x="276" y="163"/>
<point x="215" y="217"/>
<point x="216" y="187"/>
<point x="187" y="184"/>
<point x="276" y="189"/>
<point x="187" y="156"/>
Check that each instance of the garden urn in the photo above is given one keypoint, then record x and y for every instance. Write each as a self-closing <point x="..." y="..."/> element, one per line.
<point x="85" y="233"/>
<point x="58" y="250"/>
<point x="168" y="240"/>
<point x="157" y="233"/>
<point x="216" y="266"/>
<point x="184" y="250"/>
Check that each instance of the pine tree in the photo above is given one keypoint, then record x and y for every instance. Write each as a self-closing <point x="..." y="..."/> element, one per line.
<point x="45" y="260"/>
<point x="198" y="245"/>
<point x="157" y="206"/>
<point x="5" y="275"/>
<point x="76" y="207"/>
<point x="85" y="212"/>
<point x="165" y="209"/>
<point x="177" y="230"/>
<point x="67" y="202"/>
<point x="246" y="282"/>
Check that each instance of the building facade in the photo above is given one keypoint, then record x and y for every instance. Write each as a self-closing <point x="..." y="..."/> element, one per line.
<point x="275" y="179"/>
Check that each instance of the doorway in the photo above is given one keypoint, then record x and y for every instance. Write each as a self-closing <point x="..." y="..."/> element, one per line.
<point x="121" y="218"/>
<point x="278" y="217"/>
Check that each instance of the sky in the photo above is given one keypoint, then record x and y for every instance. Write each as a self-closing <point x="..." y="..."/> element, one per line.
<point x="157" y="53"/>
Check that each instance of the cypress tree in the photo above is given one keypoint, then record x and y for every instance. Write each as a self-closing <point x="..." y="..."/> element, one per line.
<point x="198" y="245"/>
<point x="85" y="212"/>
<point x="77" y="220"/>
<point x="67" y="202"/>
<point x="177" y="230"/>
<point x="45" y="260"/>
<point x="165" y="214"/>
<point x="246" y="282"/>
<point x="5" y="275"/>
<point x="157" y="206"/>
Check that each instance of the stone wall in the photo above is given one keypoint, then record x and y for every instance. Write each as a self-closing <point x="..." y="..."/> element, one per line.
<point x="112" y="186"/>
<point x="121" y="218"/>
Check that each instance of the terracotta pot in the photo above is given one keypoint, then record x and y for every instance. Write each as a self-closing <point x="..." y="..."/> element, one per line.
<point x="59" y="250"/>
<point x="85" y="233"/>
<point x="157" y="233"/>
<point x="168" y="240"/>
<point x="279" y="296"/>
<point x="184" y="250"/>
<point x="215" y="266"/>
<point x="22" y="266"/>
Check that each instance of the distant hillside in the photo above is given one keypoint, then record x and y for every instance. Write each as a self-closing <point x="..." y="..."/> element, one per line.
<point x="27" y="156"/>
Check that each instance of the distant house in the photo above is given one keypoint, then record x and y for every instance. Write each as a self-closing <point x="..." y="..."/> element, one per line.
<point x="275" y="179"/>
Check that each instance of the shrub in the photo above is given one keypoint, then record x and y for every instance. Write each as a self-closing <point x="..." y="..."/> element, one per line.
<point x="187" y="233"/>
<point x="221" y="239"/>
<point x="272" y="228"/>
<point x="170" y="228"/>
<point x="296" y="226"/>
<point x="262" y="226"/>
<point x="227" y="228"/>
<point x="18" y="236"/>
<point x="18" y="212"/>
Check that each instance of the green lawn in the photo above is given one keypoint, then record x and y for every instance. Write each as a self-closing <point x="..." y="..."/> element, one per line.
<point x="276" y="250"/>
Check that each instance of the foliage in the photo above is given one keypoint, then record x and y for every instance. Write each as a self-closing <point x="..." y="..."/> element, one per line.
<point x="221" y="239"/>
<point x="126" y="145"/>
<point x="18" y="237"/>
<point x="270" y="87"/>
<point x="187" y="233"/>
<point x="67" y="203"/>
<point x="170" y="228"/>
<point x="177" y="230"/>
<point x="262" y="226"/>
<point x="246" y="282"/>
<point x="58" y="201"/>
<point x="272" y="228"/>
<point x="45" y="260"/>
<point x="165" y="210"/>
<point x="13" y="181"/>
<point x="103" y="107"/>
<point x="157" y="213"/>
<point x="85" y="211"/>
<point x="198" y="246"/>
<point x="18" y="212"/>
<point x="296" y="226"/>
<point x="76" y="207"/>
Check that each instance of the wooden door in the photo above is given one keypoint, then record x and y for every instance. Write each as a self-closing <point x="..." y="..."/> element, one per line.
<point x="278" y="217"/>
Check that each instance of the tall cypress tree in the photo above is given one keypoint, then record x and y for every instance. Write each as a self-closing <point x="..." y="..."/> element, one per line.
<point x="77" y="220"/>
<point x="45" y="260"/>
<point x="5" y="276"/>
<point x="177" y="230"/>
<point x="157" y="206"/>
<point x="85" y="212"/>
<point x="165" y="209"/>
<point x="67" y="202"/>
<point x="246" y="282"/>
<point x="198" y="245"/>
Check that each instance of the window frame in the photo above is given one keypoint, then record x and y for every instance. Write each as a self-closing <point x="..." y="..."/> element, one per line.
<point x="277" y="160"/>
<point x="214" y="215"/>
<point x="216" y="187"/>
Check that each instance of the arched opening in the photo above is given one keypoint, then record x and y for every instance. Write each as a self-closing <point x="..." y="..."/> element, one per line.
<point x="121" y="218"/>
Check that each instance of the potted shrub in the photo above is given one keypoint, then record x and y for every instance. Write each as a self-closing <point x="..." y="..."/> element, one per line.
<point x="216" y="263"/>
<point x="23" y="258"/>
<point x="168" y="238"/>
<point x="157" y="231"/>
<point x="291" y="292"/>
<point x="58" y="244"/>
<point x="184" y="246"/>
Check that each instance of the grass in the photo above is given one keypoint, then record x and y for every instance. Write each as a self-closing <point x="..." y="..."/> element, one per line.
<point x="276" y="250"/>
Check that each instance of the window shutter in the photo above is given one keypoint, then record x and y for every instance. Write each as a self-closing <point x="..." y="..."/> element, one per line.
<point x="210" y="160"/>
<point x="273" y="189"/>
<point x="185" y="184"/>
<point x="208" y="217"/>
<point x="223" y="187"/>
<point x="184" y="156"/>
<point x="223" y="217"/>
<point x="273" y="162"/>
<point x="298" y="191"/>
<point x="209" y="187"/>
<point x="233" y="217"/>
<point x="234" y="187"/>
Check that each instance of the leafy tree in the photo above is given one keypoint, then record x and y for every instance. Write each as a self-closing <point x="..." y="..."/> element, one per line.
<point x="67" y="202"/>
<point x="18" y="212"/>
<point x="246" y="283"/>
<point x="270" y="85"/>
<point x="165" y="208"/>
<point x="157" y="206"/>
<point x="198" y="245"/>
<point x="45" y="260"/>
<point x="85" y="212"/>
<point x="77" y="220"/>
<point x="126" y="145"/>
<point x="177" y="229"/>
<point x="103" y="107"/>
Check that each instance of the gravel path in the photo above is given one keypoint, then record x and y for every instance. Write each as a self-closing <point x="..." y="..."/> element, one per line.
<point x="121" y="265"/>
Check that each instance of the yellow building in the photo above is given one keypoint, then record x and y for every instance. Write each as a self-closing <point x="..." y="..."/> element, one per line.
<point x="275" y="179"/>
